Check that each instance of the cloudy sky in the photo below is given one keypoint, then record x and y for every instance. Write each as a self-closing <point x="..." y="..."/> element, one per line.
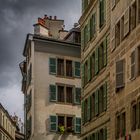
<point x="16" y="20"/>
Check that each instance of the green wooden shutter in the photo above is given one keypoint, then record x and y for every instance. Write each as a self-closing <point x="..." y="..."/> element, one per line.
<point x="52" y="65"/>
<point x="105" y="96"/>
<point x="77" y="69"/>
<point x="102" y="12"/>
<point x="77" y="96"/>
<point x="77" y="128"/>
<point x="96" y="61"/>
<point x="96" y="136"/>
<point x="105" y="133"/>
<point x="88" y="138"/>
<point x="53" y="93"/>
<point x="82" y="39"/>
<point x="89" y="108"/>
<point x="83" y="111"/>
<point x="83" y="75"/>
<point x="94" y="23"/>
<point x="53" y="123"/>
<point x="88" y="32"/>
<point x="89" y="69"/>
<point x="91" y="27"/>
<point x="96" y="102"/>
<point x="105" y="51"/>
<point x="83" y="6"/>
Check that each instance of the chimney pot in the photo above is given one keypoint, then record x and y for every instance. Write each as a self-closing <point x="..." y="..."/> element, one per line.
<point x="50" y="17"/>
<point x="45" y="16"/>
<point x="55" y="17"/>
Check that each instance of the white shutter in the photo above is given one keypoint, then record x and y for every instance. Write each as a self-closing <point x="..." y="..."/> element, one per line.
<point x="113" y="3"/>
<point x="126" y="22"/>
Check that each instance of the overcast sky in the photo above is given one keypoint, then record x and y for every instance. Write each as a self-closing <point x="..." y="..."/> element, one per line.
<point x="16" y="20"/>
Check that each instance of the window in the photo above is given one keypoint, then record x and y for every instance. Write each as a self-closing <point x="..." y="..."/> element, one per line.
<point x="93" y="105"/>
<point x="84" y="5"/>
<point x="120" y="125"/>
<point x="102" y="13"/>
<point x="86" y="72"/>
<point x="126" y="22"/>
<point x="120" y="74"/>
<point x="133" y="65"/>
<point x="101" y="135"/>
<point x="69" y="123"/>
<point x="85" y="35"/>
<point x="69" y="96"/>
<point x="77" y="69"/>
<point x="65" y="94"/>
<point x="138" y="112"/>
<point x="61" y="96"/>
<point x="93" y="64"/>
<point x="133" y="11"/>
<point x="117" y="34"/>
<point x="60" y="67"/>
<point x="134" y="118"/>
<point x="101" y="56"/>
<point x="68" y="68"/>
<point x="29" y="127"/>
<point x="122" y="28"/>
<point x="93" y="26"/>
<point x="138" y="11"/>
<point x="101" y="99"/>
<point x="85" y="110"/>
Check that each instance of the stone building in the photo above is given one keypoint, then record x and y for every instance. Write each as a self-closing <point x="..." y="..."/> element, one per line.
<point x="110" y="32"/>
<point x="51" y="83"/>
<point x="7" y="125"/>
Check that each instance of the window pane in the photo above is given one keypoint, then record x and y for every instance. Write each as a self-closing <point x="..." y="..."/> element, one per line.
<point x="68" y="68"/>
<point x="60" y="67"/>
<point x="69" y="124"/>
<point x="61" y="94"/>
<point x="69" y="97"/>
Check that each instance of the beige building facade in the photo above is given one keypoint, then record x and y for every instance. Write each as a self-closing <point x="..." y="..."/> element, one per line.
<point x="52" y="88"/>
<point x="7" y="126"/>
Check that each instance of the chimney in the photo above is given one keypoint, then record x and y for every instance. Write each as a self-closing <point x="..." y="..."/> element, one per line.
<point x="55" y="17"/>
<point x="45" y="16"/>
<point x="50" y="17"/>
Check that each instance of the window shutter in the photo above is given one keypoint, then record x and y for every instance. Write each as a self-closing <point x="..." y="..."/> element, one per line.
<point x="89" y="69"/>
<point x="96" y="102"/>
<point x="91" y="27"/>
<point x="102" y="12"/>
<point x="82" y="39"/>
<point x="77" y="128"/>
<point x="77" y="99"/>
<point x="88" y="31"/>
<point x="126" y="22"/>
<point x="138" y="11"/>
<point x="53" y="123"/>
<point x="77" y="69"/>
<point x="89" y="108"/>
<point x="88" y="138"/>
<point x="113" y="38"/>
<point x="96" y="136"/>
<point x="83" y="107"/>
<point x="113" y="3"/>
<point x="83" y="6"/>
<point x="105" y="96"/>
<point x="133" y="64"/>
<point x="94" y="23"/>
<point x="82" y="74"/>
<point x="105" y="133"/>
<point x="53" y="93"/>
<point x="105" y="51"/>
<point x="120" y="74"/>
<point x="96" y="61"/>
<point x="52" y="65"/>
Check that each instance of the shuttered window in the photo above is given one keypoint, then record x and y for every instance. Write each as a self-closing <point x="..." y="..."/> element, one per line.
<point x="92" y="26"/>
<point x="96" y="61"/>
<point x="52" y="65"/>
<point x="120" y="74"/>
<point x="133" y="65"/>
<point x="117" y="34"/>
<point x="77" y="99"/>
<point x="93" y="64"/>
<point x="53" y="123"/>
<point x="83" y="112"/>
<point x="113" y="38"/>
<point x="53" y="93"/>
<point x="96" y="102"/>
<point x="138" y="11"/>
<point x="83" y="74"/>
<point x="122" y="28"/>
<point x="82" y="39"/>
<point x="96" y="136"/>
<point x="88" y="31"/>
<point x="126" y="22"/>
<point x="89" y="69"/>
<point x="102" y="13"/>
<point x="101" y="99"/>
<point x="105" y="96"/>
<point x="88" y="108"/>
<point x="105" y="133"/>
<point x="77" y="125"/>
<point x="101" y="56"/>
<point x="85" y="35"/>
<point x="77" y="69"/>
<point x="86" y="72"/>
<point x="93" y="105"/>
<point x="105" y="51"/>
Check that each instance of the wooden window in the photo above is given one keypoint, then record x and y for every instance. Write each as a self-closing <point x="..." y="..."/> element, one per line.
<point x="61" y="122"/>
<point x="77" y="98"/>
<point x="92" y="25"/>
<point x="101" y="99"/>
<point x="69" y="94"/>
<point x="101" y="56"/>
<point x="122" y="28"/>
<point x="52" y="66"/>
<point x="53" y="123"/>
<point x="126" y="22"/>
<point x="123" y="124"/>
<point x="53" y="93"/>
<point x="60" y="67"/>
<point x="93" y="65"/>
<point x="69" y="68"/>
<point x="77" y="69"/>
<point x="89" y="69"/>
<point x="69" y="124"/>
<point x="102" y="13"/>
<point x="118" y="126"/>
<point x="133" y="11"/>
<point x="61" y="95"/>
<point x="93" y="105"/>
<point x="134" y="117"/>
<point x="86" y="72"/>
<point x="117" y="34"/>
<point x="138" y="11"/>
<point x="120" y="74"/>
<point x="133" y="65"/>
<point x="77" y="128"/>
<point x="88" y="31"/>
<point x="96" y="102"/>
<point x="96" y="61"/>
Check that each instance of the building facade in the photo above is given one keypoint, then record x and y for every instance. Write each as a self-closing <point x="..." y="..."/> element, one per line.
<point x="52" y="87"/>
<point x="7" y="125"/>
<point x="110" y="56"/>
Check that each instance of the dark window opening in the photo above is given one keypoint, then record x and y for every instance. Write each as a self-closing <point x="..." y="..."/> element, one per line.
<point x="69" y="124"/>
<point x="61" y="97"/>
<point x="68" y="68"/>
<point x="60" y="67"/>
<point x="69" y="97"/>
